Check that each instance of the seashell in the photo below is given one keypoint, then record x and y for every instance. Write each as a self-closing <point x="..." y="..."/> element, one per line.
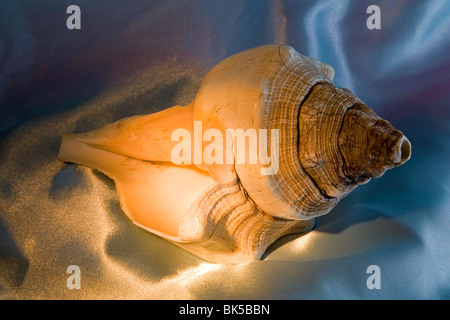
<point x="323" y="142"/>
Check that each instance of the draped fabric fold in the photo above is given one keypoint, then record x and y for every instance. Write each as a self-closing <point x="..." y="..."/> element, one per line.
<point x="139" y="57"/>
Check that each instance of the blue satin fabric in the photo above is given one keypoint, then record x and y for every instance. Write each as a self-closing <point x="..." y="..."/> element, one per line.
<point x="136" y="57"/>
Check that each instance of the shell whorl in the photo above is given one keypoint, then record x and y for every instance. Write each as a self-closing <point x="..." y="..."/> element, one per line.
<point x="320" y="122"/>
<point x="265" y="88"/>
<point x="290" y="86"/>
<point x="224" y="225"/>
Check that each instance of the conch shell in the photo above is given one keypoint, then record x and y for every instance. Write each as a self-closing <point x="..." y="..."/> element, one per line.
<point x="322" y="141"/>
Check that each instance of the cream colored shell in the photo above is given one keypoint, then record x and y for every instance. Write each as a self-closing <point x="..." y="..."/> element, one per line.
<point x="231" y="212"/>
